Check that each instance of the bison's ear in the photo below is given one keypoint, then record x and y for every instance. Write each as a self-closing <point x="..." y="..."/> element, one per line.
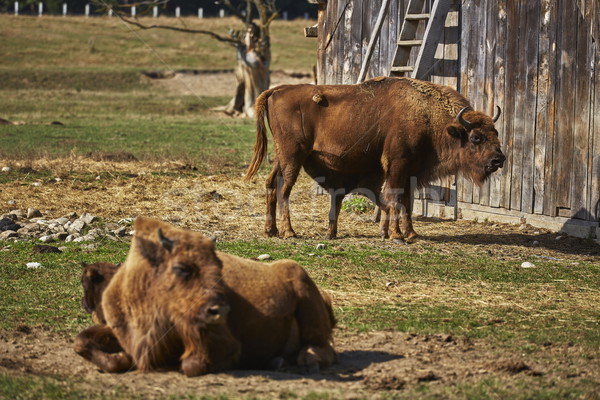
<point x="150" y="250"/>
<point x="456" y="131"/>
<point x="165" y="241"/>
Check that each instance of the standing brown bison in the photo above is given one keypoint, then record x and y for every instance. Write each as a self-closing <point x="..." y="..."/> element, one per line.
<point x="359" y="136"/>
<point x="176" y="303"/>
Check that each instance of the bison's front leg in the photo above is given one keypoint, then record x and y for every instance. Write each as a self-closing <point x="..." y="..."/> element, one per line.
<point x="99" y="345"/>
<point x="407" y="226"/>
<point x="336" y="197"/>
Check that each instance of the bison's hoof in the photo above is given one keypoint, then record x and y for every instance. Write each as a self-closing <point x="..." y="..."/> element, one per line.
<point x="412" y="237"/>
<point x="398" y="240"/>
<point x="288" y="235"/>
<point x="272" y="232"/>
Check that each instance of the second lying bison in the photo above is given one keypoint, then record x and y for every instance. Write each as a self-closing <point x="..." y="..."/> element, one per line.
<point x="176" y="303"/>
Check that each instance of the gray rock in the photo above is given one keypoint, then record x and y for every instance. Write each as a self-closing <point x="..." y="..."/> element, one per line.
<point x="87" y="218"/>
<point x="11" y="202"/>
<point x="33" y="213"/>
<point x="70" y="216"/>
<point x="47" y="239"/>
<point x="122" y="231"/>
<point x="62" y="221"/>
<point x="321" y="246"/>
<point x="60" y="236"/>
<point x="77" y="226"/>
<point x="263" y="257"/>
<point x="8" y="234"/>
<point x="18" y="213"/>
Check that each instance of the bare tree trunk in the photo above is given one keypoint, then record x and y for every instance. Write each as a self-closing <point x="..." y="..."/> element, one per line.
<point x="253" y="77"/>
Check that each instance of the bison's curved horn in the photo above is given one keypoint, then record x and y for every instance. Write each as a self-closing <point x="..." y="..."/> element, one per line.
<point x="497" y="115"/>
<point x="468" y="126"/>
<point x="165" y="241"/>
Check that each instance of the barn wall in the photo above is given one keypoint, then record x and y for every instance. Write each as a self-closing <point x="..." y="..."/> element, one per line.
<point x="539" y="61"/>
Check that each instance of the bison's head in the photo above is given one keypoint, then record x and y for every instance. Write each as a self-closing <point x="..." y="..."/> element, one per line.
<point x="187" y="275"/>
<point x="94" y="280"/>
<point x="182" y="279"/>
<point x="479" y="152"/>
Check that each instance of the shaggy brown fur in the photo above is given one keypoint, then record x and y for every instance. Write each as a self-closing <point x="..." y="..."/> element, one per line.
<point x="177" y="303"/>
<point x="360" y="136"/>
<point x="94" y="280"/>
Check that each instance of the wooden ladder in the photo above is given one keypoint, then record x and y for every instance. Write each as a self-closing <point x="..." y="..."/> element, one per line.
<point x="427" y="46"/>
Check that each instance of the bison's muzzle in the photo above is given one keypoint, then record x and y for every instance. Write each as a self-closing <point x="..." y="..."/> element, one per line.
<point x="496" y="162"/>
<point x="213" y="313"/>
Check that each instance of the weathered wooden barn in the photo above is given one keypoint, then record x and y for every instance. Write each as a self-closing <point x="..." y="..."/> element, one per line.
<point x="539" y="60"/>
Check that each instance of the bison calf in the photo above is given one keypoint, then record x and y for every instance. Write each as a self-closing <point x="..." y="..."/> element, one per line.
<point x="177" y="303"/>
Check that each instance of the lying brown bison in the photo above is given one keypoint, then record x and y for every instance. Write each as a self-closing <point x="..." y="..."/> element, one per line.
<point x="359" y="136"/>
<point x="176" y="303"/>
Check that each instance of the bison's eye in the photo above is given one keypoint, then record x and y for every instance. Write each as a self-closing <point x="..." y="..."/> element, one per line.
<point x="477" y="139"/>
<point x="182" y="271"/>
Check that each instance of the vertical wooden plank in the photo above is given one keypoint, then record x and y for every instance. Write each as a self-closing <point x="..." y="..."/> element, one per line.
<point x="545" y="88"/>
<point x="321" y="39"/>
<point x="532" y="11"/>
<point x="595" y="148"/>
<point x="347" y="44"/>
<point x="384" y="42"/>
<point x="487" y="42"/>
<point x="367" y="27"/>
<point x="393" y="29"/>
<point x="356" y="37"/>
<point x="330" y="17"/>
<point x="519" y="116"/>
<point x="468" y="31"/>
<point x="340" y="40"/>
<point x="552" y="14"/>
<point x="512" y="29"/>
<point x="498" y="78"/>
<point x="583" y="80"/>
<point x="563" y="147"/>
<point x="373" y="70"/>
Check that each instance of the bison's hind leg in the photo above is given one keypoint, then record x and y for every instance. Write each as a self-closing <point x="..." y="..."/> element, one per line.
<point x="99" y="345"/>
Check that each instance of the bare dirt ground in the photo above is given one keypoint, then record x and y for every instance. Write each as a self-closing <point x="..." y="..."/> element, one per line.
<point x="370" y="365"/>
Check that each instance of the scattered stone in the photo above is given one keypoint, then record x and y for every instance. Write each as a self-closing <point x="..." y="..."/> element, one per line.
<point x="8" y="234"/>
<point x="389" y="285"/>
<point x="41" y="248"/>
<point x="18" y="213"/>
<point x="527" y="264"/>
<point x="77" y="226"/>
<point x="120" y="232"/>
<point x="321" y="246"/>
<point x="7" y="224"/>
<point x="47" y="239"/>
<point x="33" y="265"/>
<point x="558" y="238"/>
<point x="70" y="216"/>
<point x="535" y="243"/>
<point x="33" y="213"/>
<point x="263" y="257"/>
<point x="87" y="218"/>
<point x="36" y="184"/>
<point x="11" y="202"/>
<point x="5" y="169"/>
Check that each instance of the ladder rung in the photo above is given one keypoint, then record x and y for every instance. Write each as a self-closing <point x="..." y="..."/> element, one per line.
<point x="409" y="43"/>
<point x="407" y="68"/>
<point x="416" y="17"/>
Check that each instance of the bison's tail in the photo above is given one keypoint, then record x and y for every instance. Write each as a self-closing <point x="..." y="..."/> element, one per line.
<point x="260" y="147"/>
